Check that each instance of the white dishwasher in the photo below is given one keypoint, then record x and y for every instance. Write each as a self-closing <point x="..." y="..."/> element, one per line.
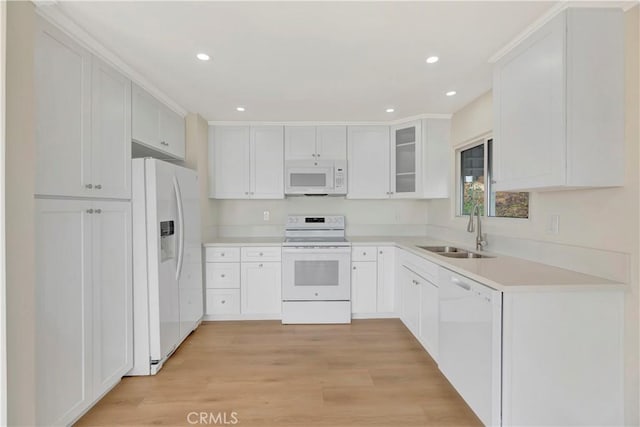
<point x="470" y="342"/>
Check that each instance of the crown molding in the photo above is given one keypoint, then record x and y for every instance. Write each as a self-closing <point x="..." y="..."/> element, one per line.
<point x="50" y="10"/>
<point x="328" y="123"/>
<point x="552" y="13"/>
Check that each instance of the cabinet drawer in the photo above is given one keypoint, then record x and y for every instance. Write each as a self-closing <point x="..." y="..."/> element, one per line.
<point x="223" y="275"/>
<point x="223" y="255"/>
<point x="363" y="253"/>
<point x="256" y="254"/>
<point x="223" y="301"/>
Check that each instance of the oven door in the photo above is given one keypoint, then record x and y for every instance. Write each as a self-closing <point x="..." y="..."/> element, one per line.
<point x="316" y="274"/>
<point x="309" y="180"/>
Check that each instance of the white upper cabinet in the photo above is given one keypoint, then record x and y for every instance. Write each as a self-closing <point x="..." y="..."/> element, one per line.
<point x="406" y="153"/>
<point x="229" y="160"/>
<point x="315" y="142"/>
<point x="247" y="162"/>
<point x="409" y="160"/>
<point x="267" y="162"/>
<point x="63" y="114"/>
<point x="368" y="169"/>
<point x="331" y="142"/>
<point x="559" y="105"/>
<point x="111" y="132"/>
<point x="83" y="121"/>
<point x="156" y="126"/>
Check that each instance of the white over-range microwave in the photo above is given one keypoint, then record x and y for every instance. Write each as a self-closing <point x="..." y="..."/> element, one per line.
<point x="315" y="177"/>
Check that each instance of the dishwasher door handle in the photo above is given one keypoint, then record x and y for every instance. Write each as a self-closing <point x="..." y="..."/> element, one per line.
<point x="460" y="283"/>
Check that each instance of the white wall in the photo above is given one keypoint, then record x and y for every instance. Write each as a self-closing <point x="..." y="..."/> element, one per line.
<point x="369" y="217"/>
<point x="20" y="227"/>
<point x="196" y="157"/>
<point x="605" y="220"/>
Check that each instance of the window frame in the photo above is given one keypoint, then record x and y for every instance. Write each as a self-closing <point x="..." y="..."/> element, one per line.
<point x="459" y="204"/>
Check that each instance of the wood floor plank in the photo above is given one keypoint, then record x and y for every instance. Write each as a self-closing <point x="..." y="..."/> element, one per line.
<point x="369" y="373"/>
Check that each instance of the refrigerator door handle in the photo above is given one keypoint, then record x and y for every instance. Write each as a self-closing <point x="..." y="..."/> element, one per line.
<point x="176" y="187"/>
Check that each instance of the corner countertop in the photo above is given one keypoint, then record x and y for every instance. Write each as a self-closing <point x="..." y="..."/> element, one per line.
<point x="502" y="272"/>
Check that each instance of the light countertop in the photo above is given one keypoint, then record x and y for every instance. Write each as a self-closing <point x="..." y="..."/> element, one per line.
<point x="504" y="273"/>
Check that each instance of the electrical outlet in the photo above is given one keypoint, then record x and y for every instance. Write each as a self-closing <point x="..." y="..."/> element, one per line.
<point x="554" y="224"/>
<point x="266" y="215"/>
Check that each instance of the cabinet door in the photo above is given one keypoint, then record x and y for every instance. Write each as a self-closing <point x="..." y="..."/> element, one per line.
<point x="331" y="142"/>
<point x="63" y="114"/>
<point x="172" y="132"/>
<point x="429" y="317"/>
<point x="63" y="310"/>
<point x="145" y="118"/>
<point x="437" y="154"/>
<point x="529" y="112"/>
<point x="112" y="291"/>
<point x="363" y="287"/>
<point x="406" y="152"/>
<point x="111" y="132"/>
<point x="267" y="162"/>
<point x="260" y="285"/>
<point x="410" y="301"/>
<point x="368" y="162"/>
<point x="229" y="148"/>
<point x="299" y="142"/>
<point x="386" y="279"/>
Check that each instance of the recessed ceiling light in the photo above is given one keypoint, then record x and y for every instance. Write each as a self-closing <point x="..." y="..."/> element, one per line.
<point x="202" y="57"/>
<point x="451" y="93"/>
<point x="390" y="110"/>
<point x="432" y="59"/>
<point x="240" y="109"/>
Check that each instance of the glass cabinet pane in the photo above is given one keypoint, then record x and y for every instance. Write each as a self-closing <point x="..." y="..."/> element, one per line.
<point x="406" y="135"/>
<point x="406" y="183"/>
<point x="406" y="159"/>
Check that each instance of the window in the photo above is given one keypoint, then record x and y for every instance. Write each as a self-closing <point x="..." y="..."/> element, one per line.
<point x="476" y="169"/>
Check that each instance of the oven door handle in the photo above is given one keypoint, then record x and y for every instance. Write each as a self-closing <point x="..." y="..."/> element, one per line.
<point x="318" y="250"/>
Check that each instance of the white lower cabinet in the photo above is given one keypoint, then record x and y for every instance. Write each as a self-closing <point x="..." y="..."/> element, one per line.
<point x="364" y="287"/>
<point x="83" y="300"/>
<point x="243" y="282"/>
<point x="429" y="321"/>
<point x="260" y="288"/>
<point x="372" y="281"/>
<point x="410" y="308"/>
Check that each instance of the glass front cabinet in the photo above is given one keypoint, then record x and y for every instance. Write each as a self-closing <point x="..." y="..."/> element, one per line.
<point x="406" y="151"/>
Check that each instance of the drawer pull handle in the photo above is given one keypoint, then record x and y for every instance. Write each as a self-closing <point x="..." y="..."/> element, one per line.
<point x="460" y="283"/>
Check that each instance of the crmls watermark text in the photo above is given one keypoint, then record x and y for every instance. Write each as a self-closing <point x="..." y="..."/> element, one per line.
<point x="212" y="418"/>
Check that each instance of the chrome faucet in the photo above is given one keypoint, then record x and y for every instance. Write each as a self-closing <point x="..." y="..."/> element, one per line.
<point x="480" y="238"/>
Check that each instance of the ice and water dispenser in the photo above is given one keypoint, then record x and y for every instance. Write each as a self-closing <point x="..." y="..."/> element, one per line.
<point x="167" y="240"/>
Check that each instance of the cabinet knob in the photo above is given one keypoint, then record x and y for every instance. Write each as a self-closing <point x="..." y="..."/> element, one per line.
<point x="260" y="265"/>
<point x="246" y="193"/>
<point x="98" y="186"/>
<point x="222" y="254"/>
<point x="313" y="155"/>
<point x="89" y="186"/>
<point x="261" y="254"/>
<point x="252" y="193"/>
<point x="98" y="211"/>
<point x="364" y="253"/>
<point x="223" y="276"/>
<point x="380" y="252"/>
<point x="164" y="143"/>
<point x="89" y="211"/>
<point x="354" y="267"/>
<point x="223" y="301"/>
<point x="317" y="155"/>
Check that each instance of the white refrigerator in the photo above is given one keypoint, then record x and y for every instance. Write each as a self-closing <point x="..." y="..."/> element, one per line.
<point x="167" y="261"/>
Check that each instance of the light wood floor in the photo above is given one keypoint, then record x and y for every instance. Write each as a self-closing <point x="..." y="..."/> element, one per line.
<point x="369" y="373"/>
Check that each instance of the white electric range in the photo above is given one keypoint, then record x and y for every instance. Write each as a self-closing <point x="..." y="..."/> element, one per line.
<point x="316" y="271"/>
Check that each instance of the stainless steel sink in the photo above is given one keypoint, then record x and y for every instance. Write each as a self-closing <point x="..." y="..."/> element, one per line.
<point x="453" y="252"/>
<point x="442" y="249"/>
<point x="464" y="255"/>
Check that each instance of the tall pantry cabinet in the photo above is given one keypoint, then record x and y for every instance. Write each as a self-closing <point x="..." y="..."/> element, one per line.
<point x="83" y="227"/>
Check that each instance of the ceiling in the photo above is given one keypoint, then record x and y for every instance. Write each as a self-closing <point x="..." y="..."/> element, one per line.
<point x="310" y="61"/>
